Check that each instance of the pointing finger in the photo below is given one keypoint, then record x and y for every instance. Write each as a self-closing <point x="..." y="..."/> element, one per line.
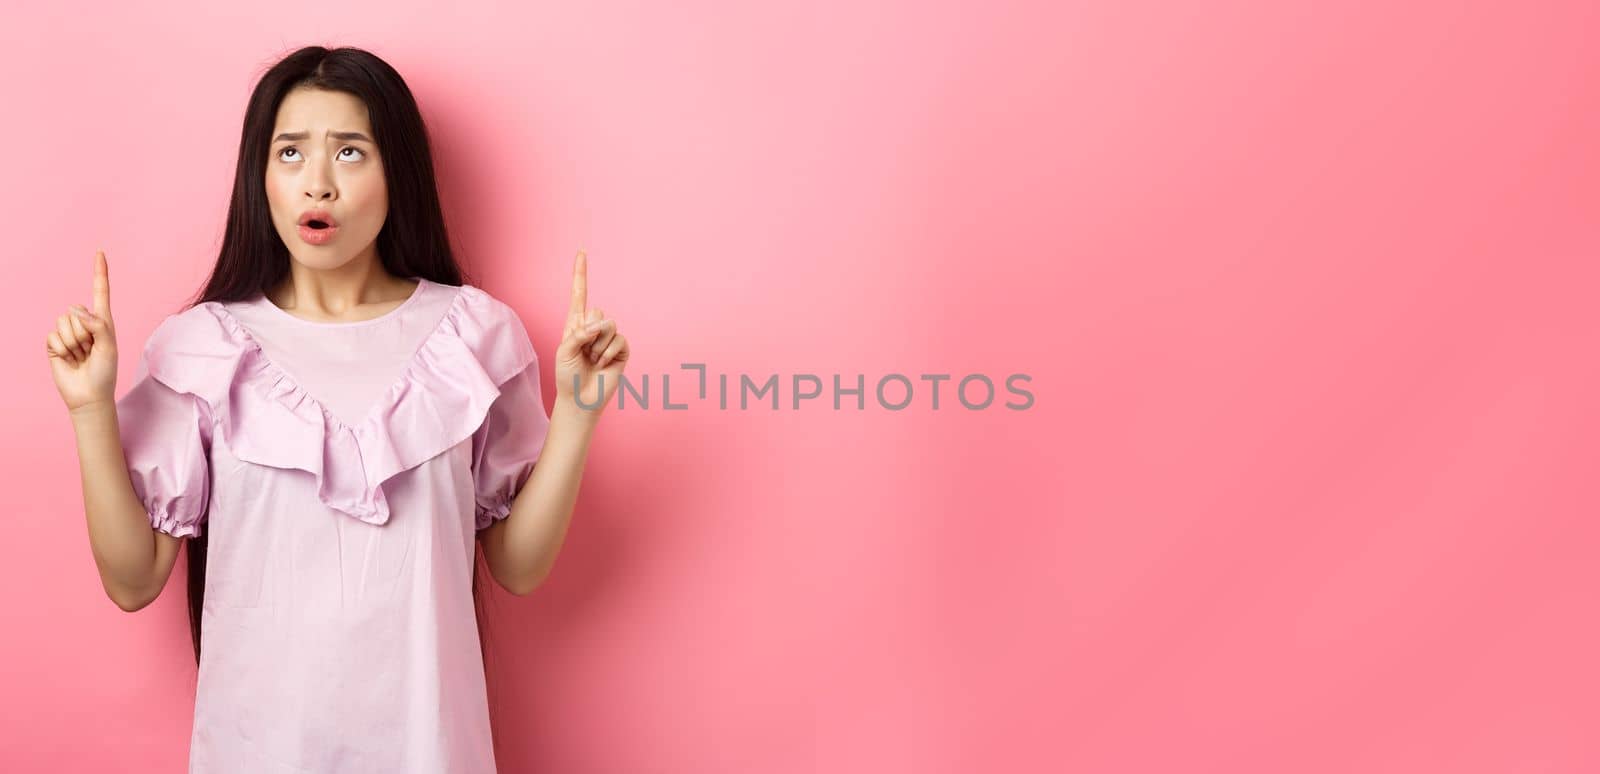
<point x="102" y="286"/>
<point x="580" y="287"/>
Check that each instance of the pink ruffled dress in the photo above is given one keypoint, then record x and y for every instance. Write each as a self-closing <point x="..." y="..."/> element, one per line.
<point x="342" y="472"/>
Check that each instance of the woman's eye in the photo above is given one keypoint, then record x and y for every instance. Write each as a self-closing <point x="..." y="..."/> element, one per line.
<point x="357" y="150"/>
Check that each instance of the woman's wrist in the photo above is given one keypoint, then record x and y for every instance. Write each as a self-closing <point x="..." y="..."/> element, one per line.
<point x="568" y="412"/>
<point x="93" y="411"/>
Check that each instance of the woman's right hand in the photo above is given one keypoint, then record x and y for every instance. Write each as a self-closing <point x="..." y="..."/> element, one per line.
<point x="83" y="347"/>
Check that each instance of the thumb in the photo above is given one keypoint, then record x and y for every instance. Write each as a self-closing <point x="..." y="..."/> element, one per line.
<point x="97" y="325"/>
<point x="102" y="287"/>
<point x="572" y="345"/>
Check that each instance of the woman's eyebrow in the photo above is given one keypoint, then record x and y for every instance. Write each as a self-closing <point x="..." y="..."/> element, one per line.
<point x="331" y="134"/>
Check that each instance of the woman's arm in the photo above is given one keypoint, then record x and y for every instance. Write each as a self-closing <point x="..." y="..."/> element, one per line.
<point x="133" y="558"/>
<point x="521" y="548"/>
<point x="590" y="358"/>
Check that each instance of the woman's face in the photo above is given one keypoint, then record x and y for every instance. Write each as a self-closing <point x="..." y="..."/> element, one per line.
<point x="327" y="162"/>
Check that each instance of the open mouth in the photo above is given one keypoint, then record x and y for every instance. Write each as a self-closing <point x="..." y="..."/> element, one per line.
<point x="317" y="220"/>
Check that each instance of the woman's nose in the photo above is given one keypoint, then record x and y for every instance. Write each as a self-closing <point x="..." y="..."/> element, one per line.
<point x="319" y="183"/>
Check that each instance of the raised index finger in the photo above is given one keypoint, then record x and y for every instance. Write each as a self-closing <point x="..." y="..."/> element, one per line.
<point x="580" y="288"/>
<point x="102" y="286"/>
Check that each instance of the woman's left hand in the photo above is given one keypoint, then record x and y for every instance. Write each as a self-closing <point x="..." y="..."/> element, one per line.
<point x="592" y="352"/>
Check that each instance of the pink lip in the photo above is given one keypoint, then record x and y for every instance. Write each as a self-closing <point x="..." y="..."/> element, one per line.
<point x="317" y="236"/>
<point x="322" y="215"/>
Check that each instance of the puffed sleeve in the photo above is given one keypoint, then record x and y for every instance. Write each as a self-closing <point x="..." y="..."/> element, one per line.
<point x="166" y="440"/>
<point x="507" y="444"/>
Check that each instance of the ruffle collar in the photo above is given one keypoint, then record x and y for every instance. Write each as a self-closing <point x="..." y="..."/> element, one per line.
<point x="441" y="398"/>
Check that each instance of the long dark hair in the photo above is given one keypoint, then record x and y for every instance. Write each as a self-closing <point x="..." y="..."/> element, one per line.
<point x="412" y="242"/>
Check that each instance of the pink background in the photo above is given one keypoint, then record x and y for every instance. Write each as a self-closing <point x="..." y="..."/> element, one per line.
<point x="1308" y="486"/>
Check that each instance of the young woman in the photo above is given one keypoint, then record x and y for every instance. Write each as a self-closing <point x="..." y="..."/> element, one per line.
<point x="345" y="422"/>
